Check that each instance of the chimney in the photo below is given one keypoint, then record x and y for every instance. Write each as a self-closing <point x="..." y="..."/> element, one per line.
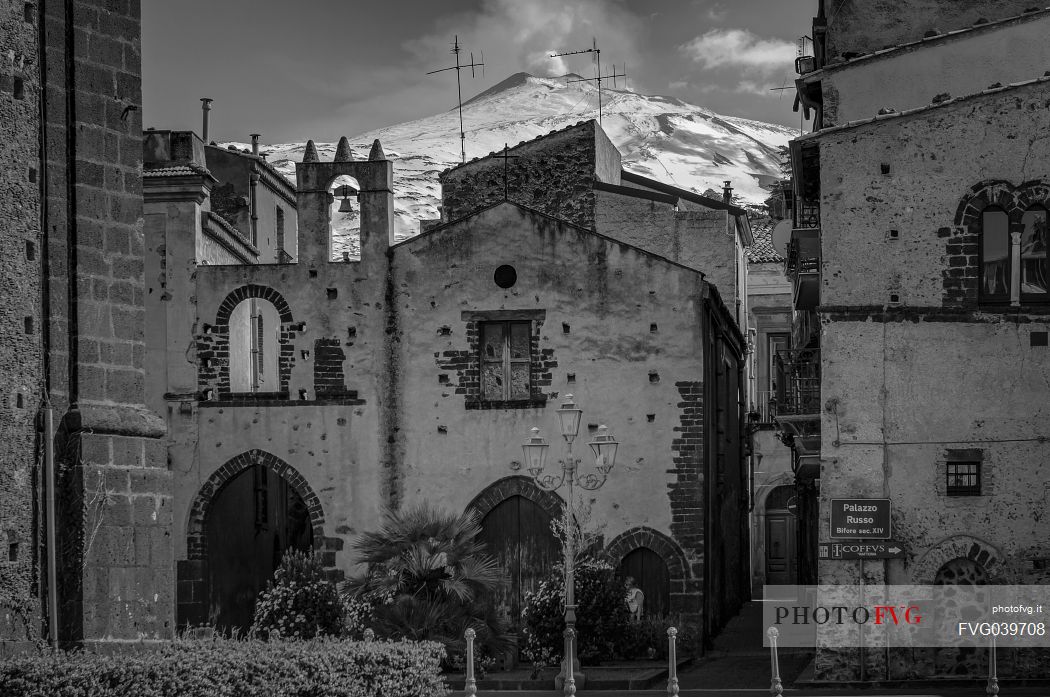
<point x="727" y="192"/>
<point x="205" y="107"/>
<point x="255" y="144"/>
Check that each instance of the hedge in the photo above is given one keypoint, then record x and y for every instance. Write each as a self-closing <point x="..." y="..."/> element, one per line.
<point x="234" y="668"/>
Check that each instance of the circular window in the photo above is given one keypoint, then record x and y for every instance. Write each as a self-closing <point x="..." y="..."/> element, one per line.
<point x="505" y="276"/>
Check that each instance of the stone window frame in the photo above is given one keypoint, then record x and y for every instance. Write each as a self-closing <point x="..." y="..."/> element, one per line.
<point x="985" y="482"/>
<point x="539" y="369"/>
<point x="506" y="360"/>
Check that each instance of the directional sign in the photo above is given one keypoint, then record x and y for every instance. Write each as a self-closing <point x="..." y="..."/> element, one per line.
<point x="861" y="549"/>
<point x="860" y="519"/>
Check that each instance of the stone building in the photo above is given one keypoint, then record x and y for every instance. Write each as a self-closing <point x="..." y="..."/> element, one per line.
<point x="416" y="373"/>
<point x="919" y="371"/>
<point x="74" y="349"/>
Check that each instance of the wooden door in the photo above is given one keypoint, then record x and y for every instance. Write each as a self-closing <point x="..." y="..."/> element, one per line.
<point x="780" y="548"/>
<point x="252" y="521"/>
<point x="517" y="532"/>
<point x="650" y="573"/>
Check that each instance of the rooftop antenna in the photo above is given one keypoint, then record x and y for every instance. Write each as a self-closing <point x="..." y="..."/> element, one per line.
<point x="597" y="71"/>
<point x="456" y="48"/>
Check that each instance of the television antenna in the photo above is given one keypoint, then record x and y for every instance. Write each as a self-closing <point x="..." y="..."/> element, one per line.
<point x="597" y="70"/>
<point x="456" y="48"/>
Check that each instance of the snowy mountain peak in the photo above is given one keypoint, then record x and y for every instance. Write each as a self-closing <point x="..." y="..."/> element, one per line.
<point x="660" y="137"/>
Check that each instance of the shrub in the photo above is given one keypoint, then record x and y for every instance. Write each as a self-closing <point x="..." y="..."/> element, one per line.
<point x="651" y="633"/>
<point x="601" y="615"/>
<point x="429" y="579"/>
<point x="229" y="667"/>
<point x="299" y="602"/>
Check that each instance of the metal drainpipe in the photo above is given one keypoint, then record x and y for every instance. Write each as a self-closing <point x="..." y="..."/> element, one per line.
<point x="47" y="411"/>
<point x="254" y="179"/>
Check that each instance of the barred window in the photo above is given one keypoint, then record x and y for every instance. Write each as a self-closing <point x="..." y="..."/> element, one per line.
<point x="964" y="478"/>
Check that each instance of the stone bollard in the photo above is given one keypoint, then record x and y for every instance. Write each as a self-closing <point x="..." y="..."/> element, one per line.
<point x="470" y="687"/>
<point x="992" y="688"/>
<point x="570" y="674"/>
<point x="775" y="687"/>
<point x="672" y="663"/>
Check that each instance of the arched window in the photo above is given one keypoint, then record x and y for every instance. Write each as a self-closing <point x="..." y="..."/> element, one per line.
<point x="995" y="254"/>
<point x="254" y="329"/>
<point x="344" y="219"/>
<point x="1034" y="285"/>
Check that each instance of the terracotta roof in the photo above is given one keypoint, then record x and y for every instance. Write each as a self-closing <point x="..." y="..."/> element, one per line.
<point x="176" y="171"/>
<point x="841" y="63"/>
<point x="762" y="251"/>
<point x="890" y="114"/>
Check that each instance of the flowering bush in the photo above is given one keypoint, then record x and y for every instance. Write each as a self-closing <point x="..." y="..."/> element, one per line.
<point x="226" y="667"/>
<point x="299" y="602"/>
<point x="601" y="615"/>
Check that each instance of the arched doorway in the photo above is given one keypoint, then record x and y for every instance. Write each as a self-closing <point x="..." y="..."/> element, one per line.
<point x="650" y="573"/>
<point x="781" y="534"/>
<point x="517" y="532"/>
<point x="253" y="519"/>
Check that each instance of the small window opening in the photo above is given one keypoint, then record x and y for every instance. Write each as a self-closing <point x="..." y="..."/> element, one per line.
<point x="564" y="328"/>
<point x="332" y="293"/>
<point x="571" y="377"/>
<point x="30" y="12"/>
<point x="302" y="395"/>
<point x="964" y="478"/>
<point x="20" y="400"/>
<point x="443" y="379"/>
<point x="29" y="325"/>
<point x="894" y="298"/>
<point x="652" y="327"/>
<point x="20" y="88"/>
<point x="12" y="551"/>
<point x="654" y="376"/>
<point x="254" y="342"/>
<point x="894" y="234"/>
<point x="650" y="417"/>
<point x="30" y="250"/>
<point x="305" y="354"/>
<point x="32" y="175"/>
<point x="1038" y="339"/>
<point x="505" y="276"/>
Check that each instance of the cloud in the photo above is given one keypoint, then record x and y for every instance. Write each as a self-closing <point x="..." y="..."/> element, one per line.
<point x="677" y="85"/>
<point x="717" y="12"/>
<point x="739" y="48"/>
<point x="761" y="89"/>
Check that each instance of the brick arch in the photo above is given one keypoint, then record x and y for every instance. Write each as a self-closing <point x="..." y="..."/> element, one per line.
<point x="196" y="539"/>
<point x="213" y="347"/>
<point x="924" y="571"/>
<point x="252" y="291"/>
<point x="642" y="536"/>
<point x="515" y="485"/>
<point x="998" y="192"/>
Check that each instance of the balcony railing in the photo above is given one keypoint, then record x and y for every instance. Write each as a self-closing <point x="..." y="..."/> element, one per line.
<point x="801" y="262"/>
<point x="764" y="408"/>
<point x="797" y="382"/>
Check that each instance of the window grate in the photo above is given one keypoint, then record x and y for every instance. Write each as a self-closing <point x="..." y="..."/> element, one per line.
<point x="964" y="478"/>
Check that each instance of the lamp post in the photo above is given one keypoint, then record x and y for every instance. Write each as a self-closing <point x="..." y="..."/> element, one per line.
<point x="604" y="449"/>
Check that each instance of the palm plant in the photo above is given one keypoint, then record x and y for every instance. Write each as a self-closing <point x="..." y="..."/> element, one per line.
<point x="428" y="578"/>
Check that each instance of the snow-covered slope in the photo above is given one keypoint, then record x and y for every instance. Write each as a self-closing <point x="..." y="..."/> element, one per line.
<point x="659" y="137"/>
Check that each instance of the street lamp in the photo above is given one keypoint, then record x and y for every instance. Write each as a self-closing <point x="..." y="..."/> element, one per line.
<point x="603" y="448"/>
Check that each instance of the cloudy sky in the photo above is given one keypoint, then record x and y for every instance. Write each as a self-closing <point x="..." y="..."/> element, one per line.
<point x="324" y="68"/>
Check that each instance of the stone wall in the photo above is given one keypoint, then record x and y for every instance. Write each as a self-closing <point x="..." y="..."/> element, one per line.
<point x="863" y="26"/>
<point x="21" y="378"/>
<point x="554" y="174"/>
<point x="957" y="65"/>
<point x="110" y="464"/>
